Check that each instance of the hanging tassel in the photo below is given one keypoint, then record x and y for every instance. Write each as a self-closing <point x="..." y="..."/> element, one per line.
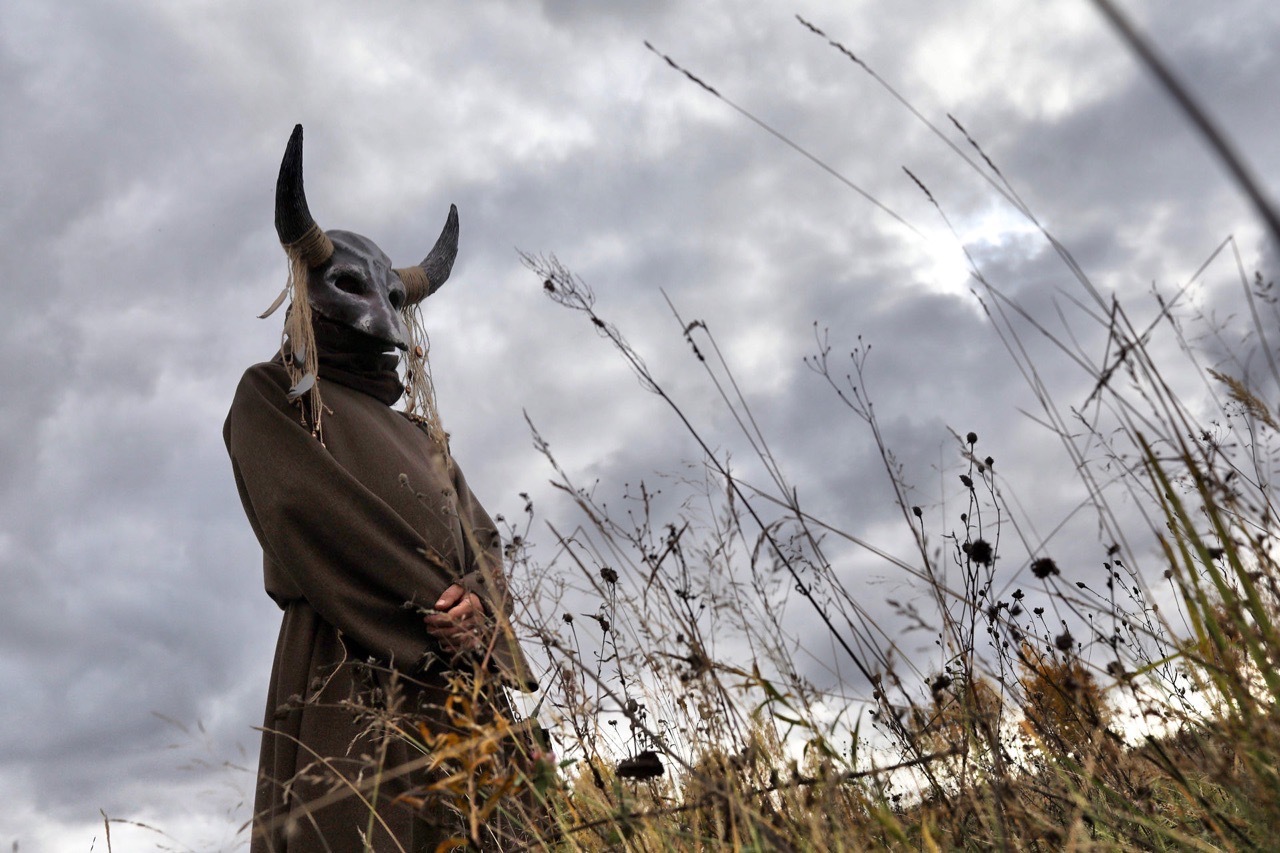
<point x="419" y="390"/>
<point x="298" y="346"/>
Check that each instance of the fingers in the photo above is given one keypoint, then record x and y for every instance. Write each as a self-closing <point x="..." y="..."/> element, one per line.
<point x="465" y="641"/>
<point x="459" y="643"/>
<point x="451" y="596"/>
<point x="460" y="626"/>
<point x="468" y="609"/>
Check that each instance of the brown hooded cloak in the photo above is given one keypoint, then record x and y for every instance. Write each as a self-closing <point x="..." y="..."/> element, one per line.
<point x="360" y="536"/>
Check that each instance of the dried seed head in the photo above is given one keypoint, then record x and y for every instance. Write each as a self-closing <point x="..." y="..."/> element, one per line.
<point x="1044" y="567"/>
<point x="980" y="551"/>
<point x="644" y="765"/>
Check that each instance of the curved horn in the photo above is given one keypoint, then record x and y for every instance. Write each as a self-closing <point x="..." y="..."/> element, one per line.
<point x="298" y="232"/>
<point x="425" y="279"/>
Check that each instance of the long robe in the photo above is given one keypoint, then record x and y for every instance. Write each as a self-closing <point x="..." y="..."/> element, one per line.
<point x="360" y="536"/>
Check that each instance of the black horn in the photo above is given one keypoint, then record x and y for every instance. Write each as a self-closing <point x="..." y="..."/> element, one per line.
<point x="298" y="232"/>
<point x="425" y="279"/>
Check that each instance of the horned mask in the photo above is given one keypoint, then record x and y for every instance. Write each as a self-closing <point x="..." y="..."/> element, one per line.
<point x="346" y="279"/>
<point x="350" y="280"/>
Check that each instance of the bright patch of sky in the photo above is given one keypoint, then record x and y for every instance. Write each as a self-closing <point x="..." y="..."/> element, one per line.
<point x="1043" y="61"/>
<point x="945" y="267"/>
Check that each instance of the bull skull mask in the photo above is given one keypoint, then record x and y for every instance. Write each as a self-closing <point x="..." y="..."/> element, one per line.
<point x="350" y="280"/>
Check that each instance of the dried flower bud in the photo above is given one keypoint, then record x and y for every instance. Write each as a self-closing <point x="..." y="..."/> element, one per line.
<point x="1044" y="567"/>
<point x="645" y="765"/>
<point x="980" y="551"/>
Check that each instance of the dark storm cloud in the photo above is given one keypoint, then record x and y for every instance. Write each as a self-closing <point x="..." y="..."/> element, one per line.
<point x="137" y="170"/>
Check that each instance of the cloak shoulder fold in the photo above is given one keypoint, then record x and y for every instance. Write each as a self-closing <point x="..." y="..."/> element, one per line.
<point x="369" y="527"/>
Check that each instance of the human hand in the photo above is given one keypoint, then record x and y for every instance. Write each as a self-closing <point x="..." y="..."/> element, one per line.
<point x="459" y="620"/>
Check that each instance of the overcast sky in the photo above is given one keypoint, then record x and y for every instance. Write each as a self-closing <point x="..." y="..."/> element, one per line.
<point x="139" y="146"/>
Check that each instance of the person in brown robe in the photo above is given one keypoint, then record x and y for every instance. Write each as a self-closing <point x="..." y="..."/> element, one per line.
<point x="388" y="570"/>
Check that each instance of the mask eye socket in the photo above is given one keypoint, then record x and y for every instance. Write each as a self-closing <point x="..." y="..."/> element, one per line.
<point x="396" y="298"/>
<point x="348" y="283"/>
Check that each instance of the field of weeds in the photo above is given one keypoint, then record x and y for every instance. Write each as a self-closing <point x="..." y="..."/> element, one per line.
<point x="1134" y="712"/>
<point x="1131" y="710"/>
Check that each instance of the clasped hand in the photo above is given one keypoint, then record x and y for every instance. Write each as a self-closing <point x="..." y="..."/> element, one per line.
<point x="459" y="621"/>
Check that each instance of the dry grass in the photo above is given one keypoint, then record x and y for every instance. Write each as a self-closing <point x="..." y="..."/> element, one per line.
<point x="1072" y="716"/>
<point x="1133" y="734"/>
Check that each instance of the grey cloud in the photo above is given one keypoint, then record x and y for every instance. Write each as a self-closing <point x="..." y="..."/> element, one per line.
<point x="573" y="12"/>
<point x="138" y="187"/>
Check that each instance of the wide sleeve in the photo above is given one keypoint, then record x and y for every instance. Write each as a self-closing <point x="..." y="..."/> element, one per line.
<point x="483" y="544"/>
<point x="358" y="563"/>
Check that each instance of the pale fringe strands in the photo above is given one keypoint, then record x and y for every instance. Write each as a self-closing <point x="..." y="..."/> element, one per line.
<point x="298" y="346"/>
<point x="419" y="390"/>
